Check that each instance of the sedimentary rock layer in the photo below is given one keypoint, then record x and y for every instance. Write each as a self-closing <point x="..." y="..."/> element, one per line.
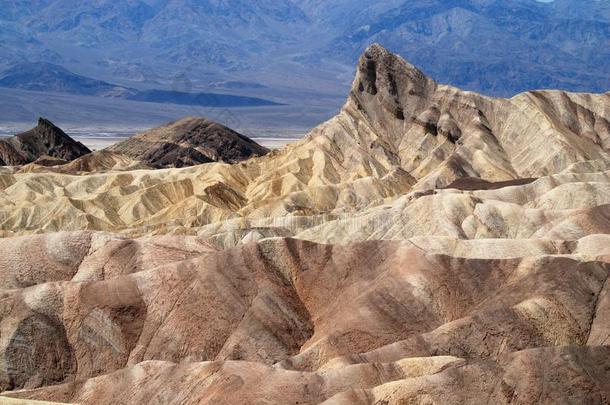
<point x="426" y="245"/>
<point x="340" y="323"/>
<point x="398" y="132"/>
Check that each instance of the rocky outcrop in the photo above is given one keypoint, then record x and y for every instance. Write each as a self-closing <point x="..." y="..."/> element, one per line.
<point x="44" y="140"/>
<point x="187" y="142"/>
<point x="439" y="133"/>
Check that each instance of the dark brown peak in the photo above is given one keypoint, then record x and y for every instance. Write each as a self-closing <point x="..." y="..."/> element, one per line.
<point x="43" y="122"/>
<point x="189" y="141"/>
<point x="47" y="128"/>
<point x="44" y="139"/>
<point x="209" y="127"/>
<point x="44" y="128"/>
<point x="190" y="123"/>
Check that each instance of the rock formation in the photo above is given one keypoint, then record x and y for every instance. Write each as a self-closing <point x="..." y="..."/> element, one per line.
<point x="352" y="323"/>
<point x="94" y="162"/>
<point x="43" y="140"/>
<point x="187" y="142"/>
<point x="399" y="132"/>
<point x="426" y="245"/>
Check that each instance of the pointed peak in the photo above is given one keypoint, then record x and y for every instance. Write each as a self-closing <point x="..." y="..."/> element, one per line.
<point x="46" y="129"/>
<point x="374" y="49"/>
<point x="398" y="83"/>
<point x="46" y="139"/>
<point x="45" y="126"/>
<point x="43" y="122"/>
<point x="376" y="62"/>
<point x="379" y="54"/>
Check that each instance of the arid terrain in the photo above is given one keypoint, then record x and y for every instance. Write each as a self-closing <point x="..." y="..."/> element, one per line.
<point x="426" y="245"/>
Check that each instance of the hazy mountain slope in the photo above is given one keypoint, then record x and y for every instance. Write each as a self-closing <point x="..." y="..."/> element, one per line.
<point x="17" y="9"/>
<point x="312" y="45"/>
<point x="457" y="42"/>
<point x="179" y="30"/>
<point x="47" y="77"/>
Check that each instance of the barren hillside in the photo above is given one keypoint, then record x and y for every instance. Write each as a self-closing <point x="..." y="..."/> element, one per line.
<point x="426" y="245"/>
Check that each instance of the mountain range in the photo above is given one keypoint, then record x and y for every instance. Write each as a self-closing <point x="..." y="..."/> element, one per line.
<point x="499" y="47"/>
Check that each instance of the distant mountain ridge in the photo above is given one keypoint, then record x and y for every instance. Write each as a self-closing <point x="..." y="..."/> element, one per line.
<point x="499" y="47"/>
<point x="48" y="77"/>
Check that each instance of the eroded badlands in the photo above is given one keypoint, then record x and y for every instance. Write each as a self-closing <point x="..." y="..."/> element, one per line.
<point x="426" y="245"/>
